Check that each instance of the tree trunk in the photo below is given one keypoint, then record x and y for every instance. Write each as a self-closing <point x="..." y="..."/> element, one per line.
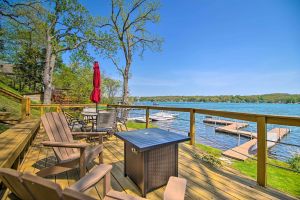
<point x="125" y="87"/>
<point x="48" y="72"/>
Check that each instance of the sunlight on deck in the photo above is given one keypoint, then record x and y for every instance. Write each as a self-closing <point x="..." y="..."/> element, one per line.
<point x="204" y="181"/>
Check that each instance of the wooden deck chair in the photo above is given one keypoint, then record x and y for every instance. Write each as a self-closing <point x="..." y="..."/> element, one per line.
<point x="27" y="186"/>
<point x="12" y="180"/>
<point x="69" y="153"/>
<point x="175" y="189"/>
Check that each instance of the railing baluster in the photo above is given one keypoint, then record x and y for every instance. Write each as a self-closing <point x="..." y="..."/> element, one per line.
<point x="147" y="117"/>
<point x="23" y="108"/>
<point x="261" y="151"/>
<point x="192" y="127"/>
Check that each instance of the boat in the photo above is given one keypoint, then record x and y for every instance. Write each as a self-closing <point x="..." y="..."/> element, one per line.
<point x="162" y="116"/>
<point x="138" y="119"/>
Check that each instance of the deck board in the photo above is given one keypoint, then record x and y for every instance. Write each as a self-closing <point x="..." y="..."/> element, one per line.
<point x="204" y="181"/>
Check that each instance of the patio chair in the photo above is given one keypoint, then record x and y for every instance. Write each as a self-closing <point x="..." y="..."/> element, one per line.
<point x="27" y="186"/>
<point x="65" y="148"/>
<point x="75" y="122"/>
<point x="106" y="122"/>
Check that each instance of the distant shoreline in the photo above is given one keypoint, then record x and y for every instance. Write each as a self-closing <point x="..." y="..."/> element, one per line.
<point x="279" y="98"/>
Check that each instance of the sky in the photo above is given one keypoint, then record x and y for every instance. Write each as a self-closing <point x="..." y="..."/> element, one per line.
<point x="217" y="47"/>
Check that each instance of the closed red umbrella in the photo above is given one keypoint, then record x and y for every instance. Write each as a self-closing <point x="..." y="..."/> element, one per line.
<point x="96" y="93"/>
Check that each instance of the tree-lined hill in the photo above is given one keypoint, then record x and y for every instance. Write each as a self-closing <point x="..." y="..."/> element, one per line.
<point x="264" y="98"/>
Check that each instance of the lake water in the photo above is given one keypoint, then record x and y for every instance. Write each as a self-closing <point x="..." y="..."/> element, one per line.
<point x="206" y="134"/>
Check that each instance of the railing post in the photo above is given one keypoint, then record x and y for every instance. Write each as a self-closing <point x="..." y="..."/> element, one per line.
<point x="23" y="108"/>
<point x="192" y="127"/>
<point x="42" y="110"/>
<point x="147" y="117"/>
<point x="28" y="104"/>
<point x="58" y="109"/>
<point x="261" y="151"/>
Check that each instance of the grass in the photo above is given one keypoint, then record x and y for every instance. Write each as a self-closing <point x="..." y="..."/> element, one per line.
<point x="3" y="127"/>
<point x="6" y="87"/>
<point x="136" y="125"/>
<point x="12" y="106"/>
<point x="278" y="178"/>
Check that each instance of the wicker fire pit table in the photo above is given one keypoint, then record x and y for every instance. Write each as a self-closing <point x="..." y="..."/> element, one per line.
<point x="151" y="156"/>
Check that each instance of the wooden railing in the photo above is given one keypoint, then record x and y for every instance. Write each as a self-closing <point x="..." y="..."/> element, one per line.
<point x="25" y="101"/>
<point x="260" y="119"/>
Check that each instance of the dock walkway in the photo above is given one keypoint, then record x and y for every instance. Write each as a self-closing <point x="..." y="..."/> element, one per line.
<point x="249" y="148"/>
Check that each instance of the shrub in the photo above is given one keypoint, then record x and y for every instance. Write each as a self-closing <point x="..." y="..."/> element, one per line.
<point x="295" y="162"/>
<point x="208" y="158"/>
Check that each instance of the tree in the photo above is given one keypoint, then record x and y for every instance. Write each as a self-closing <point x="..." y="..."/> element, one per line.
<point x="110" y="88"/>
<point x="128" y="21"/>
<point x="68" y="27"/>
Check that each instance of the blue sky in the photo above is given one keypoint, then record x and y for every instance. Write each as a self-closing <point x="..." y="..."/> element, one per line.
<point x="218" y="47"/>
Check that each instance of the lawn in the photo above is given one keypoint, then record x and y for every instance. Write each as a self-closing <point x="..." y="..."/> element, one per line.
<point x="12" y="106"/>
<point x="136" y="125"/>
<point x="278" y="178"/>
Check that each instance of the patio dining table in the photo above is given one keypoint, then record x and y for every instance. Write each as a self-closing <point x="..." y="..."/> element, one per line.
<point x="150" y="156"/>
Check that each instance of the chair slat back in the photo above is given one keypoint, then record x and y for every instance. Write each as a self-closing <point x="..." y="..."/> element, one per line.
<point x="12" y="180"/>
<point x="106" y="119"/>
<point x="58" y="130"/>
<point x="41" y="188"/>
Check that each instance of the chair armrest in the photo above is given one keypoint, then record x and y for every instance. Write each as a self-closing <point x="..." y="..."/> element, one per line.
<point x="91" y="178"/>
<point x="65" y="144"/>
<point x="175" y="189"/>
<point x="88" y="134"/>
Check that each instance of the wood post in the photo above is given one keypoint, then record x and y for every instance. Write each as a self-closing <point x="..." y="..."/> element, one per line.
<point x="192" y="127"/>
<point x="23" y="108"/>
<point x="261" y="151"/>
<point x="42" y="110"/>
<point x="28" y="104"/>
<point x="147" y="117"/>
<point x="58" y="109"/>
<point x="82" y="164"/>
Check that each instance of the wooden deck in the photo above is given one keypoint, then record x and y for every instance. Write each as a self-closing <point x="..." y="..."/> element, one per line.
<point x="204" y="181"/>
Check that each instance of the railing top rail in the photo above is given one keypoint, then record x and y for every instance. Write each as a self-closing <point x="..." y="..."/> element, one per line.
<point x="8" y="93"/>
<point x="64" y="105"/>
<point x="270" y="119"/>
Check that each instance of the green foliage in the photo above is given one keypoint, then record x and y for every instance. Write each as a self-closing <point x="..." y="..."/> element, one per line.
<point x="208" y="158"/>
<point x="30" y="68"/>
<point x="78" y="82"/>
<point x="295" y="162"/>
<point x="3" y="127"/>
<point x="265" y="98"/>
<point x="110" y="88"/>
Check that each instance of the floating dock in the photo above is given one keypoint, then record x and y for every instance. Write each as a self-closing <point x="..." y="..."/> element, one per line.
<point x="230" y="127"/>
<point x="248" y="149"/>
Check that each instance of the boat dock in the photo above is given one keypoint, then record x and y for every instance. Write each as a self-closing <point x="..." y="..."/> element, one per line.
<point x="248" y="149"/>
<point x="229" y="127"/>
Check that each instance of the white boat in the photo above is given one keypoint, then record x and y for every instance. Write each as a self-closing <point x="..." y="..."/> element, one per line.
<point x="138" y="119"/>
<point x="162" y="116"/>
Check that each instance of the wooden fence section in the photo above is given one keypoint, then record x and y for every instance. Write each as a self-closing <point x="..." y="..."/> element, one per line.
<point x="15" y="141"/>
<point x="260" y="119"/>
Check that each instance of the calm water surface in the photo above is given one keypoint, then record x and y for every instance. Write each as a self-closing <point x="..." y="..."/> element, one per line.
<point x="206" y="134"/>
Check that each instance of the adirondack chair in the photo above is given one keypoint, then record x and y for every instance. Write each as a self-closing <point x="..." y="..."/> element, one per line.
<point x="65" y="148"/>
<point x="27" y="186"/>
